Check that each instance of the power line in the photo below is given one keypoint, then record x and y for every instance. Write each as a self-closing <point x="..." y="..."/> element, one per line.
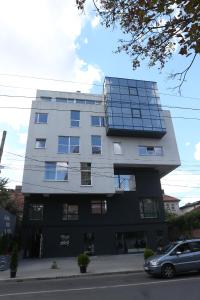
<point x="83" y="83"/>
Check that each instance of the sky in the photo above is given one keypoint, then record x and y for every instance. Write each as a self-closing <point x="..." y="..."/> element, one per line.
<point x="41" y="40"/>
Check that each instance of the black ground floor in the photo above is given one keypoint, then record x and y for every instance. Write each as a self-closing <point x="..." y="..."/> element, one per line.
<point x="96" y="240"/>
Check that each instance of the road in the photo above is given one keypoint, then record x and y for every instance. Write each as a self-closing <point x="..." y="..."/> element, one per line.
<point x="137" y="286"/>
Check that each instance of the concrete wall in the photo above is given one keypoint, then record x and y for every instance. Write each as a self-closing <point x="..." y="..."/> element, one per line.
<point x="102" y="178"/>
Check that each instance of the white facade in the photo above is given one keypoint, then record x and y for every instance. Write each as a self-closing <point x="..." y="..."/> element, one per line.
<point x="102" y="165"/>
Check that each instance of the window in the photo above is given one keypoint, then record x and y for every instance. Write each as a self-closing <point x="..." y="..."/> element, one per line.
<point x="125" y="182"/>
<point x="57" y="171"/>
<point x="85" y="173"/>
<point x="65" y="240"/>
<point x="97" y="121"/>
<point x="40" y="143"/>
<point x="184" y="248"/>
<point x="41" y="118"/>
<point x="133" y="91"/>
<point x="151" y="150"/>
<point x="70" y="212"/>
<point x="117" y="148"/>
<point x="99" y="207"/>
<point x="75" y="118"/>
<point x="68" y="144"/>
<point x="136" y="113"/>
<point x="36" y="212"/>
<point x="195" y="246"/>
<point x="148" y="208"/>
<point x="96" y="144"/>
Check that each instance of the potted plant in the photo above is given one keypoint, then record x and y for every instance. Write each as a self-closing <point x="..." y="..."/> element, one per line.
<point x="14" y="261"/>
<point x="83" y="261"/>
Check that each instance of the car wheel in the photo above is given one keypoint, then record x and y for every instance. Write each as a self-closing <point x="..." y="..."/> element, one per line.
<point x="168" y="271"/>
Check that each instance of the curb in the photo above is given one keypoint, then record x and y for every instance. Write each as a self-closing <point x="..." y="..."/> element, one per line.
<point x="70" y="276"/>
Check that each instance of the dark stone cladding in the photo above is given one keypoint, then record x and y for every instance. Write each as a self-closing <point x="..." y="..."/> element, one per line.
<point x="123" y="215"/>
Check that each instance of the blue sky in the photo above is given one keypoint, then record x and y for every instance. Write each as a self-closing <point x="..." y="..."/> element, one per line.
<point x="51" y="39"/>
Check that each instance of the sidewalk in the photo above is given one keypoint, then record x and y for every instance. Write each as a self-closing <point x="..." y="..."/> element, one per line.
<point x="67" y="267"/>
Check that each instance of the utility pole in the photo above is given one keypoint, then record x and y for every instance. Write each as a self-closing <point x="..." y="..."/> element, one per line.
<point x="2" y="144"/>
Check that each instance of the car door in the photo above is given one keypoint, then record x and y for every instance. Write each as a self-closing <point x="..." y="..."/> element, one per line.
<point x="195" y="246"/>
<point x="182" y="258"/>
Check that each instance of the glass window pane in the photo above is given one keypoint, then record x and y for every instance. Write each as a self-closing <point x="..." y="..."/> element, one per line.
<point x="36" y="211"/>
<point x="40" y="143"/>
<point x="75" y="118"/>
<point x="50" y="170"/>
<point x="41" y="118"/>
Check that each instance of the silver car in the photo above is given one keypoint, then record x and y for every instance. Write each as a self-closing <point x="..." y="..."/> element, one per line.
<point x="177" y="257"/>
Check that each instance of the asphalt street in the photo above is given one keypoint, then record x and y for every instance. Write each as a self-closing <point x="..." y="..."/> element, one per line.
<point x="137" y="286"/>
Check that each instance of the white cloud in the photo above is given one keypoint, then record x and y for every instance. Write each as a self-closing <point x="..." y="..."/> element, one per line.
<point x="179" y="182"/>
<point x="95" y="21"/>
<point x="197" y="151"/>
<point x="23" y="138"/>
<point x="85" y="41"/>
<point x="39" y="39"/>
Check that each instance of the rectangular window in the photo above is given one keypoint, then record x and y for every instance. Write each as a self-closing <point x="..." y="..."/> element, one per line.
<point x="136" y="113"/>
<point x="70" y="212"/>
<point x="133" y="91"/>
<point x="40" y="143"/>
<point x="64" y="240"/>
<point x="117" y="148"/>
<point x="85" y="173"/>
<point x="151" y="150"/>
<point x="99" y="207"/>
<point x="56" y="171"/>
<point x="97" y="121"/>
<point x="148" y="208"/>
<point x="75" y="118"/>
<point x="41" y="118"/>
<point x="125" y="183"/>
<point x="96" y="144"/>
<point x="35" y="212"/>
<point x="68" y="144"/>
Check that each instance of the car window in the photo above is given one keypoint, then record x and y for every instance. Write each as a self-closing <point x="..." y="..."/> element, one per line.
<point x="167" y="248"/>
<point x="195" y="246"/>
<point x="183" y="248"/>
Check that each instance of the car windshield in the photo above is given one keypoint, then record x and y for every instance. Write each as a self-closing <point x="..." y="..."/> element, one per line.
<point x="167" y="248"/>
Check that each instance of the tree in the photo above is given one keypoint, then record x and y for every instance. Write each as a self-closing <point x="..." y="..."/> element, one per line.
<point x="5" y="200"/>
<point x="155" y="29"/>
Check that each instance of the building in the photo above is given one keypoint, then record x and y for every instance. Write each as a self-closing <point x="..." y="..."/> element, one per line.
<point x="7" y="222"/>
<point x="92" y="170"/>
<point x="18" y="197"/>
<point x="189" y="207"/>
<point x="171" y="204"/>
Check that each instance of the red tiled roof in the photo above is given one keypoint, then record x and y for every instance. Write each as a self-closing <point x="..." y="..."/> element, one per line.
<point x="167" y="198"/>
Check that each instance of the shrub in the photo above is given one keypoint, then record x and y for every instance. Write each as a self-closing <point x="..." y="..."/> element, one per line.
<point x="83" y="259"/>
<point x="148" y="252"/>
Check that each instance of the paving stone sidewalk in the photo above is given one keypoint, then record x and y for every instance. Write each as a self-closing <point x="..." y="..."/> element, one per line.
<point x="67" y="267"/>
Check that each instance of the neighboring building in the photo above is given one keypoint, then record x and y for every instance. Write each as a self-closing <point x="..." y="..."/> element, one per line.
<point x="18" y="198"/>
<point x="171" y="204"/>
<point x="92" y="170"/>
<point x="7" y="222"/>
<point x="189" y="207"/>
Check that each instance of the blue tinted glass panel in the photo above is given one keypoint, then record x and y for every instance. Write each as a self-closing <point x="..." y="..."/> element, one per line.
<point x="50" y="170"/>
<point x="41" y="118"/>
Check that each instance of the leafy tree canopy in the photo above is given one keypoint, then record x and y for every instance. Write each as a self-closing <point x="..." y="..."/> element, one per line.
<point x="6" y="201"/>
<point x="154" y="29"/>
